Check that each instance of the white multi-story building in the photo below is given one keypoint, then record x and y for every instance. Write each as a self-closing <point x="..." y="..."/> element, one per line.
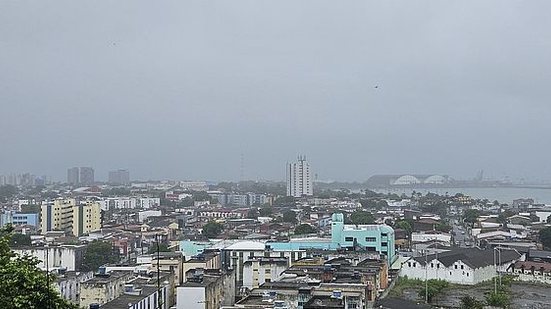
<point x="111" y="203"/>
<point x="299" y="178"/>
<point x="68" y="257"/>
<point x="258" y="270"/>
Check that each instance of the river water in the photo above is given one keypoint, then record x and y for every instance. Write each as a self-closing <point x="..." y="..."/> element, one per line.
<point x="503" y="195"/>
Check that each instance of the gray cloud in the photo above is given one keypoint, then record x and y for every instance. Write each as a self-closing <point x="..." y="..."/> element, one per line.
<point x="180" y="89"/>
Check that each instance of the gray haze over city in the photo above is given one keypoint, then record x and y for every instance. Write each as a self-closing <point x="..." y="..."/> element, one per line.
<point x="186" y="89"/>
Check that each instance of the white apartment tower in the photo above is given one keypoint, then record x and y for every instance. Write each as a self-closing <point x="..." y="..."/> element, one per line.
<point x="299" y="178"/>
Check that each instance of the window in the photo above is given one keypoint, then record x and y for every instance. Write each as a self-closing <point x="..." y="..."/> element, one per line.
<point x="371" y="239"/>
<point x="455" y="266"/>
<point x="437" y="265"/>
<point x="462" y="267"/>
<point x="431" y="265"/>
<point x="384" y="244"/>
<point x="409" y="264"/>
<point x="384" y="234"/>
<point x="467" y="274"/>
<point x="414" y="264"/>
<point x="268" y="280"/>
<point x="267" y="271"/>
<point x="348" y="239"/>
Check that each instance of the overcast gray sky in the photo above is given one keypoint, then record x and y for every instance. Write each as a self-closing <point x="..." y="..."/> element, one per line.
<point x="180" y="89"/>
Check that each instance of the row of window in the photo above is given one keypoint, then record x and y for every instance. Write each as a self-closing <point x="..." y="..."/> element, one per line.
<point x="432" y="265"/>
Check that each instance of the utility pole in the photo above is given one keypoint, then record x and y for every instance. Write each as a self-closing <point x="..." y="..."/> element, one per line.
<point x="159" y="298"/>
<point x="426" y="276"/>
<point x="46" y="247"/>
<point x="495" y="266"/>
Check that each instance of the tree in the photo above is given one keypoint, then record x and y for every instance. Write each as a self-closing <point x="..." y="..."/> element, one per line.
<point x="499" y="299"/>
<point x="99" y="253"/>
<point x="285" y="201"/>
<point x="162" y="248"/>
<point x="407" y="227"/>
<point x="443" y="227"/>
<point x="471" y="215"/>
<point x="252" y="213"/>
<point x="304" y="229"/>
<point x="185" y="202"/>
<point x="545" y="237"/>
<point x="468" y="302"/>
<point x="18" y="240"/>
<point x="289" y="216"/>
<point x="265" y="211"/>
<point x="23" y="284"/>
<point x="361" y="217"/>
<point x="212" y="229"/>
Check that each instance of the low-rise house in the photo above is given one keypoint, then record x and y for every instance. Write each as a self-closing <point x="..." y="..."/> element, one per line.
<point x="529" y="271"/>
<point x="461" y="266"/>
<point x="67" y="283"/>
<point x="103" y="288"/>
<point x="206" y="289"/>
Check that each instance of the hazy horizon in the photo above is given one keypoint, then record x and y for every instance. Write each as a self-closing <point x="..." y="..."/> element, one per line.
<point x="184" y="89"/>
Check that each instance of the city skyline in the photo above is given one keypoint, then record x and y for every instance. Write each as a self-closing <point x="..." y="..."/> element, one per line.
<point x="318" y="77"/>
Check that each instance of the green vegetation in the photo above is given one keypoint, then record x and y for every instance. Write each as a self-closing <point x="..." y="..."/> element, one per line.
<point x="443" y="227"/>
<point x="99" y="253"/>
<point x="252" y="213"/>
<point x="407" y="226"/>
<point x="290" y="216"/>
<point x="471" y="216"/>
<point x="212" y="229"/>
<point x="361" y="217"/>
<point x="405" y="283"/>
<point x="285" y="201"/>
<point x="18" y="240"/>
<point x="500" y="299"/>
<point x="162" y="248"/>
<point x="434" y="287"/>
<point x="545" y="237"/>
<point x="468" y="302"/>
<point x="265" y="211"/>
<point x="23" y="285"/>
<point x="304" y="229"/>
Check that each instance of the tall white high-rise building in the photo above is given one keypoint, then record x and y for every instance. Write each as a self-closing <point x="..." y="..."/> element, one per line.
<point x="299" y="178"/>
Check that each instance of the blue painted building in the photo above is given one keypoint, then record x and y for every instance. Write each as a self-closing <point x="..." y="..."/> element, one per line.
<point x="17" y="218"/>
<point x="373" y="238"/>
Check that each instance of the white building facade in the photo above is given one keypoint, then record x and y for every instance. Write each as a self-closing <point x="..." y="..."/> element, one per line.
<point x="299" y="178"/>
<point x="465" y="266"/>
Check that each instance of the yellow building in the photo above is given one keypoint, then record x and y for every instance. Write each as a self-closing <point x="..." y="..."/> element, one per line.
<point x="69" y="216"/>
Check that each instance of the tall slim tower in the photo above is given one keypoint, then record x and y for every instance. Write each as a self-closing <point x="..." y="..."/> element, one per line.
<point x="299" y="179"/>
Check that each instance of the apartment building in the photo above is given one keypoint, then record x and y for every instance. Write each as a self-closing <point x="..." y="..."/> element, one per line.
<point x="69" y="216"/>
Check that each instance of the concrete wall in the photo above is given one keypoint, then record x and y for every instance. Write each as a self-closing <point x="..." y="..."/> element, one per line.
<point x="190" y="298"/>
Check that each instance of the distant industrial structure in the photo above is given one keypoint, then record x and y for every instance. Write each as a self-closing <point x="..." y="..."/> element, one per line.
<point x="408" y="180"/>
<point x="299" y="178"/>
